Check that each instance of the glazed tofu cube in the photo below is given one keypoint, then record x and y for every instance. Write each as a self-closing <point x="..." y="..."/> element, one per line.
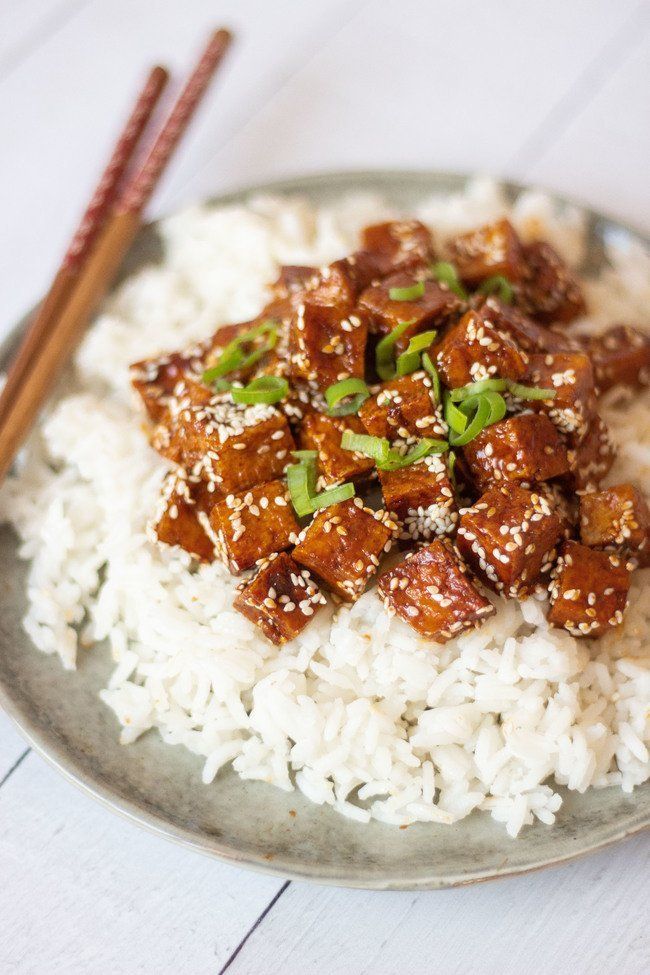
<point x="422" y="499"/>
<point x="398" y="244"/>
<point x="564" y="503"/>
<point x="590" y="459"/>
<point x="618" y="516"/>
<point x="252" y="525"/>
<point x="550" y="292"/>
<point x="156" y="379"/>
<point x="588" y="591"/>
<point x="528" y="335"/>
<point x="432" y="590"/>
<point x="324" y="433"/>
<point x="403" y="408"/>
<point x="327" y="344"/>
<point x="473" y="350"/>
<point x="487" y="251"/>
<point x="433" y="309"/>
<point x="343" y="545"/>
<point x="571" y="376"/>
<point x="181" y="519"/>
<point x="281" y="599"/>
<point x="525" y="447"/>
<point x="621" y="355"/>
<point x="234" y="447"/>
<point x="509" y="538"/>
<point x="294" y="279"/>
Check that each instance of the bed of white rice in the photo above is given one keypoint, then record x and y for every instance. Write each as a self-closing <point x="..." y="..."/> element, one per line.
<point x="358" y="712"/>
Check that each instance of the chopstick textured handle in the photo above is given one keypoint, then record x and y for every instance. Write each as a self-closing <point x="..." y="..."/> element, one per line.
<point x="138" y="191"/>
<point x="106" y="190"/>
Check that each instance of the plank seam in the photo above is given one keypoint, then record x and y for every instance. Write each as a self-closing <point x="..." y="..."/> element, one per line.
<point x="17" y="763"/>
<point x="271" y="904"/>
<point x="50" y="25"/>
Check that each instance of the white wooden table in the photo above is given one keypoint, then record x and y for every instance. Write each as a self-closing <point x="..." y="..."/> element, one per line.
<point x="555" y="92"/>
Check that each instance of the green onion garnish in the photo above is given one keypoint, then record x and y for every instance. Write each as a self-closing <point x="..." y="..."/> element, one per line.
<point x="475" y="389"/>
<point x="435" y="378"/>
<point x="451" y="466"/>
<point x="447" y="274"/>
<point x="475" y="424"/>
<point x="531" y="392"/>
<point x="384" y="353"/>
<point x="386" y="457"/>
<point x="455" y="418"/>
<point x="472" y="415"/>
<point x="235" y="357"/>
<point x="410" y="293"/>
<point x="498" y="285"/>
<point x="410" y="360"/>
<point x="362" y="443"/>
<point x="301" y="481"/>
<point x="346" y="396"/>
<point x="265" y="389"/>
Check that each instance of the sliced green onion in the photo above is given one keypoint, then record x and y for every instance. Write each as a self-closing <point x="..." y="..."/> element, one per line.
<point x="234" y="357"/>
<point x="346" y="396"/>
<point x="410" y="293"/>
<point x="497" y="406"/>
<point x="451" y="466"/>
<point x="475" y="425"/>
<point x="456" y="420"/>
<point x="475" y="389"/>
<point x="332" y="496"/>
<point x="265" y="389"/>
<point x="447" y="274"/>
<point x="377" y="448"/>
<point x="497" y="284"/>
<point x="409" y="360"/>
<point x="435" y="378"/>
<point x="384" y="353"/>
<point x="395" y="461"/>
<point x="531" y="392"/>
<point x="301" y="481"/>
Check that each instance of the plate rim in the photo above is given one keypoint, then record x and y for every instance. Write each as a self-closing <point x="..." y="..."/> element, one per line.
<point x="57" y="756"/>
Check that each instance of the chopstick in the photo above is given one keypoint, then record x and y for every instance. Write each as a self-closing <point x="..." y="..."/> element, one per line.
<point x="86" y="233"/>
<point x="103" y="261"/>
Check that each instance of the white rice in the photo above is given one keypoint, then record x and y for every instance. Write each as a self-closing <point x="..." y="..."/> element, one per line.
<point x="358" y="711"/>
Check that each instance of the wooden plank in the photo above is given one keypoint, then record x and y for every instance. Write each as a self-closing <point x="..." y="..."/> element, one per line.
<point x="27" y="24"/>
<point x="421" y="89"/>
<point x="603" y="154"/>
<point x="588" y="917"/>
<point x="59" y="153"/>
<point x="83" y="890"/>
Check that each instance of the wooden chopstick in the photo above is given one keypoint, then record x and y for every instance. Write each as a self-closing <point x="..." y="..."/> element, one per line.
<point x="86" y="233"/>
<point x="103" y="262"/>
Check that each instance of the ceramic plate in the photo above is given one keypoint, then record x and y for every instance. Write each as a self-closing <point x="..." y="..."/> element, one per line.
<point x="248" y="823"/>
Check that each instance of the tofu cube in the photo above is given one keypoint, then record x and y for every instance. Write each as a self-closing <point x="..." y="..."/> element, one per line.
<point x="343" y="545"/>
<point x="398" y="244"/>
<point x="181" y="519"/>
<point x="571" y="376"/>
<point x="473" y="350"/>
<point x="422" y="499"/>
<point x="433" y="591"/>
<point x="324" y="433"/>
<point x="487" y="251"/>
<point x="621" y="355"/>
<point x="591" y="458"/>
<point x="252" y="525"/>
<point x="234" y="447"/>
<point x="433" y="309"/>
<point x="527" y="334"/>
<point x="404" y="408"/>
<point x="281" y="599"/>
<point x="156" y="379"/>
<point x="588" y="591"/>
<point x="618" y="516"/>
<point x="525" y="447"/>
<point x="509" y="538"/>
<point x="550" y="292"/>
<point x="294" y="279"/>
<point x="327" y="344"/>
